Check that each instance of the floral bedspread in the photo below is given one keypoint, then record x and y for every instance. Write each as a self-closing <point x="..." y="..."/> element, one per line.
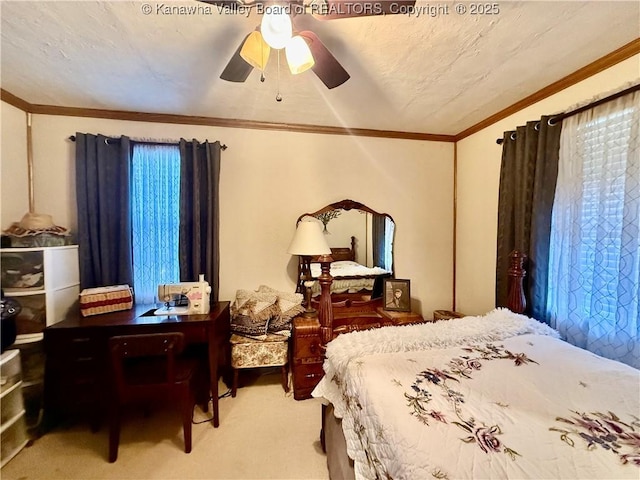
<point x="514" y="403"/>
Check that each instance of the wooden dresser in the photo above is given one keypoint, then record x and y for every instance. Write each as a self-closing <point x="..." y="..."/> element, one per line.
<point x="307" y="354"/>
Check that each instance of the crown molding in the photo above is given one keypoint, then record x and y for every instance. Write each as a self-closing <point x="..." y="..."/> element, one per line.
<point x="17" y="102"/>
<point x="214" y="122"/>
<point x="623" y="53"/>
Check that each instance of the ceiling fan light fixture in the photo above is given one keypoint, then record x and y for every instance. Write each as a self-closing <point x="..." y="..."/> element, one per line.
<point x="299" y="55"/>
<point x="255" y="51"/>
<point x="276" y="27"/>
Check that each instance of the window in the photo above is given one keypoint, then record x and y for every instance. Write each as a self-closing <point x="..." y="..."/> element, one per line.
<point x="594" y="255"/>
<point x="602" y="207"/>
<point x="155" y="202"/>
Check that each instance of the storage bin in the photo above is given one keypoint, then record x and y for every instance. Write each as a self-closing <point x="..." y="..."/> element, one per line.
<point x="12" y="403"/>
<point x="10" y="370"/>
<point x="94" y="301"/>
<point x="13" y="438"/>
<point x="44" y="281"/>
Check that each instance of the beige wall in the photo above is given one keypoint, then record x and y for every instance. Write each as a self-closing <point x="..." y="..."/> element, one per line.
<point x="267" y="180"/>
<point x="14" y="185"/>
<point x="478" y="159"/>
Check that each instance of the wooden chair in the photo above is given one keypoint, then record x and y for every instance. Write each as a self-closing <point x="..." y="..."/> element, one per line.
<point x="147" y="367"/>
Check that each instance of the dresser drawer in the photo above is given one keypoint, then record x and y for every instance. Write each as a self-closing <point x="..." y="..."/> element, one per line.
<point x="68" y="348"/>
<point x="306" y="347"/>
<point x="305" y="378"/>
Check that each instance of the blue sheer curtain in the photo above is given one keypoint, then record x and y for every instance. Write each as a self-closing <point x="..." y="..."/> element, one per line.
<point x="155" y="211"/>
<point x="594" y="292"/>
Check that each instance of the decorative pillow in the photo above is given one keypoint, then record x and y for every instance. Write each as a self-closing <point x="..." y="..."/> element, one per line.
<point x="251" y="312"/>
<point x="288" y="305"/>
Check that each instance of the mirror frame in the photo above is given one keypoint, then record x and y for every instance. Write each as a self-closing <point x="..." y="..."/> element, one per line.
<point x="352" y="205"/>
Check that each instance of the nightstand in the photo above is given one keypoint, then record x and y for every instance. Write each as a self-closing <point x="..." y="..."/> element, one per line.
<point x="307" y="356"/>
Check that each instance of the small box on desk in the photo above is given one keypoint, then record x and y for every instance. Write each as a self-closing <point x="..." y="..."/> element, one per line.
<point x="94" y="301"/>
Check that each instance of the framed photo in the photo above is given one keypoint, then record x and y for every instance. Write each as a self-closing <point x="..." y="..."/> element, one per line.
<point x="397" y="295"/>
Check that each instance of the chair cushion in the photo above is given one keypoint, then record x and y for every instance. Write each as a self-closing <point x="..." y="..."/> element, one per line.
<point x="249" y="353"/>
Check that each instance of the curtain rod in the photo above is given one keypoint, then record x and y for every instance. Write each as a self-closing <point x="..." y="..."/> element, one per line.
<point x="143" y="142"/>
<point x="558" y="118"/>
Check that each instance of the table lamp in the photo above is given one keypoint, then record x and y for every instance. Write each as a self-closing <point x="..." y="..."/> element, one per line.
<point x="308" y="242"/>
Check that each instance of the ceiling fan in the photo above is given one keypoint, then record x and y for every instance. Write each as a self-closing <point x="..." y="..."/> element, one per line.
<point x="303" y="49"/>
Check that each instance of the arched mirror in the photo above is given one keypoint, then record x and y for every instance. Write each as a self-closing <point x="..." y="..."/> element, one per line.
<point x="361" y="242"/>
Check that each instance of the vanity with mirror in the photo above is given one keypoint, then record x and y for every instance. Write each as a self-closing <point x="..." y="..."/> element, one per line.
<point x="361" y="242"/>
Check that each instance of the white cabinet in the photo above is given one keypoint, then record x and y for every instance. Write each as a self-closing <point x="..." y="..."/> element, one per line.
<point x="46" y="283"/>
<point x="13" y="429"/>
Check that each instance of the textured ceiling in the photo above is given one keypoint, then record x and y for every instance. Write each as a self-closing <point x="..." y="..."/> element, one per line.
<point x="428" y="74"/>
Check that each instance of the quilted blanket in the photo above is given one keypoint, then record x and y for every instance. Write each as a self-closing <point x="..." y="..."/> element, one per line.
<point x="497" y="396"/>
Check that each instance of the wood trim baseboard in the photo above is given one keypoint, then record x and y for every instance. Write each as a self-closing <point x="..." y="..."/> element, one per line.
<point x="623" y="53"/>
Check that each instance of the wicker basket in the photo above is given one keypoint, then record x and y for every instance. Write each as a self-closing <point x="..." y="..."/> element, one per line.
<point x="94" y="301"/>
<point x="446" y="314"/>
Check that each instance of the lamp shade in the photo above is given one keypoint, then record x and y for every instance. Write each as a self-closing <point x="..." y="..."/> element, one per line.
<point x="299" y="55"/>
<point x="255" y="50"/>
<point x="276" y="27"/>
<point x="309" y="240"/>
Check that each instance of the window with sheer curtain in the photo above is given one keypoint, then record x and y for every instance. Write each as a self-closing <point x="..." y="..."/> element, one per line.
<point x="593" y="294"/>
<point x="155" y="211"/>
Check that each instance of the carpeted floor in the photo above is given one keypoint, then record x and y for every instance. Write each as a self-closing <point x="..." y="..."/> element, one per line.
<point x="264" y="434"/>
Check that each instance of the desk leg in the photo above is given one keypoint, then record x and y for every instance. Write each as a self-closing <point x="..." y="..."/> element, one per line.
<point x="213" y="372"/>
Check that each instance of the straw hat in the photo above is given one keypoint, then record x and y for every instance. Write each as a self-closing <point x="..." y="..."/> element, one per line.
<point x="34" y="224"/>
<point x="36" y="221"/>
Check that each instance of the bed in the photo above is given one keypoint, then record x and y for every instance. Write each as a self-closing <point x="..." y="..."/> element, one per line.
<point x="348" y="276"/>
<point x="492" y="396"/>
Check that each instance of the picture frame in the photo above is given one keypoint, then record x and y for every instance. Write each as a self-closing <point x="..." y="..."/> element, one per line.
<point x="397" y="295"/>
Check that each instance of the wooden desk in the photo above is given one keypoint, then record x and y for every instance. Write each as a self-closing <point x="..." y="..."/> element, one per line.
<point x="77" y="362"/>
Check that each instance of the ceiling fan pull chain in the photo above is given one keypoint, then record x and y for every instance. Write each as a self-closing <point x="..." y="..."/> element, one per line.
<point x="278" y="96"/>
<point x="262" y="77"/>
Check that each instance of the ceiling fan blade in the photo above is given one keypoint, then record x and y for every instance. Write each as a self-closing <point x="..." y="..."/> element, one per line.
<point x="333" y="9"/>
<point x="237" y="70"/>
<point x="223" y="3"/>
<point x="326" y="67"/>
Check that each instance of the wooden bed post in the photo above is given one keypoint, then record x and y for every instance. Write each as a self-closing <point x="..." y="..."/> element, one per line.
<point x="516" y="301"/>
<point x="325" y="309"/>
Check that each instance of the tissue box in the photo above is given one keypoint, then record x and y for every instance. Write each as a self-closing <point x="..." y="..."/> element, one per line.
<point x="94" y="301"/>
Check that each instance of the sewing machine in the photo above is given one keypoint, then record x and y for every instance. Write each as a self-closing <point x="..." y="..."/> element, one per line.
<point x="196" y="294"/>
